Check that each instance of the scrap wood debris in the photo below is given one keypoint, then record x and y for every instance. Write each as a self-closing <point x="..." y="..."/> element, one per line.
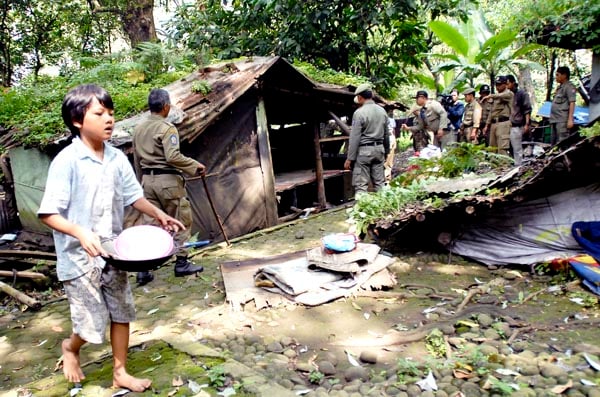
<point x="325" y="273"/>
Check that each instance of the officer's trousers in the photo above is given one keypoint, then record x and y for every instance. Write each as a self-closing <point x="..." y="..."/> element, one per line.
<point x="368" y="167"/>
<point x="500" y="136"/>
<point x="167" y="192"/>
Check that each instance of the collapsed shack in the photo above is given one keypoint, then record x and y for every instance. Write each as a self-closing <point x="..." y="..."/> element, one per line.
<point x="522" y="216"/>
<point x="261" y="128"/>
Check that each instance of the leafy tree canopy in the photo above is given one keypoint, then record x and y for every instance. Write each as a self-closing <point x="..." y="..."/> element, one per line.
<point x="381" y="40"/>
<point x="570" y="24"/>
<point x="33" y="108"/>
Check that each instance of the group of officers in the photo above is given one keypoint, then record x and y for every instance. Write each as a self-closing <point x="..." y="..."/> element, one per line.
<point x="497" y="120"/>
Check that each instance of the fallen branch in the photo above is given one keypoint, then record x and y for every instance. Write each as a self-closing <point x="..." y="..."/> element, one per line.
<point x="27" y="254"/>
<point x="420" y="333"/>
<point x="401" y="295"/>
<point x="19" y="296"/>
<point x="23" y="274"/>
<point x="480" y="289"/>
<point x="564" y="287"/>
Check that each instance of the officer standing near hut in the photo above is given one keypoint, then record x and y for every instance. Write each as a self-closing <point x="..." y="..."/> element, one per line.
<point x="498" y="122"/>
<point x="431" y="122"/>
<point x="563" y="106"/>
<point x="471" y="117"/>
<point x="161" y="165"/>
<point x="369" y="142"/>
<point x="486" y="107"/>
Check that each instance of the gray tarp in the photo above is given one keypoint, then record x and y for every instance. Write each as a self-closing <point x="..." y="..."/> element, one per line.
<point x="532" y="231"/>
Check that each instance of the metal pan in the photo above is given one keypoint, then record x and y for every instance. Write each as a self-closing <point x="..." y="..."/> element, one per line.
<point x="132" y="265"/>
<point x="141" y="265"/>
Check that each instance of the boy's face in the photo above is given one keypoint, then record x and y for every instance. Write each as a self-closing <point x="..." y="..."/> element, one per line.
<point x="98" y="122"/>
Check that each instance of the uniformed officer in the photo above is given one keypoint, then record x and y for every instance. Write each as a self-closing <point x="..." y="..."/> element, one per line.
<point x="471" y="117"/>
<point x="486" y="106"/>
<point x="431" y="123"/>
<point x="563" y="106"/>
<point x="160" y="163"/>
<point x="519" y="118"/>
<point x="498" y="121"/>
<point x="369" y="142"/>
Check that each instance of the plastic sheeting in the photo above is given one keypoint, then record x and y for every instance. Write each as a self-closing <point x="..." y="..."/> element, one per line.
<point x="30" y="171"/>
<point x="532" y="231"/>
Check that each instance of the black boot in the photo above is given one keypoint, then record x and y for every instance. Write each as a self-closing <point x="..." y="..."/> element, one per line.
<point x="185" y="267"/>
<point x="144" y="278"/>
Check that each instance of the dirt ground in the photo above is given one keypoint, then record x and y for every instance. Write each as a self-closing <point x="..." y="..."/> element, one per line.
<point x="546" y="312"/>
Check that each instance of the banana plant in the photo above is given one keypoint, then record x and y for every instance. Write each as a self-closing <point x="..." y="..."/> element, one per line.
<point x="476" y="50"/>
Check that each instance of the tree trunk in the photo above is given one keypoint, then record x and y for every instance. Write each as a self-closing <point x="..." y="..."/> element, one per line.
<point x="138" y="21"/>
<point x="550" y="77"/>
<point x="527" y="85"/>
<point x="137" y="18"/>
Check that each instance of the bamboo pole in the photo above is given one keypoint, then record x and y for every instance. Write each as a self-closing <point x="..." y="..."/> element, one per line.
<point x="21" y="297"/>
<point x="23" y="274"/>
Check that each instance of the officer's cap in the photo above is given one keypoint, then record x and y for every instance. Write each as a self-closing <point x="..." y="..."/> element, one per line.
<point x="501" y="80"/>
<point x="421" y="93"/>
<point x="362" y="88"/>
<point x="484" y="88"/>
<point x="468" y="91"/>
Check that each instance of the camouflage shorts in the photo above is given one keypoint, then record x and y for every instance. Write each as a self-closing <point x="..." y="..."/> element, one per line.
<point x="96" y="297"/>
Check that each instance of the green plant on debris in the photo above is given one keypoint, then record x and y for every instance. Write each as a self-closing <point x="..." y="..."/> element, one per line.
<point x="409" y="188"/>
<point x="589" y="132"/>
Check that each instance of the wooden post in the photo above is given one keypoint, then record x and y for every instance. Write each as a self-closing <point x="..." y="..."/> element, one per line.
<point x="266" y="162"/>
<point x="319" y="169"/>
<point x="345" y="129"/>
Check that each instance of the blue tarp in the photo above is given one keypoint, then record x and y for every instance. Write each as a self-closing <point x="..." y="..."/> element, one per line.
<point x="581" y="115"/>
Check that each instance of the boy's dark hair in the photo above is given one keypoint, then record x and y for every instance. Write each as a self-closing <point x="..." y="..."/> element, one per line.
<point x="564" y="70"/>
<point x="77" y="101"/>
<point x="158" y="99"/>
<point x="511" y="78"/>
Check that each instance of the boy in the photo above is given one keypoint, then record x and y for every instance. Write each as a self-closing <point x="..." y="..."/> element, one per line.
<point x="89" y="184"/>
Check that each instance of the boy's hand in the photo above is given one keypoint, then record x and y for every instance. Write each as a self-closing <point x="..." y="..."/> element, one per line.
<point x="169" y="223"/>
<point x="90" y="242"/>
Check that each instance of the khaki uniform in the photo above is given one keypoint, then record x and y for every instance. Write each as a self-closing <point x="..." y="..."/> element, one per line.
<point x="498" y="121"/>
<point x="160" y="164"/>
<point x="369" y="145"/>
<point x="471" y="121"/>
<point x="486" y="108"/>
<point x="564" y="95"/>
<point x="430" y="118"/>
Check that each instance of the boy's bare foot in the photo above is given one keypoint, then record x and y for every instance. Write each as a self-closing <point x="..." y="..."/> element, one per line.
<point x="71" y="365"/>
<point x="126" y="381"/>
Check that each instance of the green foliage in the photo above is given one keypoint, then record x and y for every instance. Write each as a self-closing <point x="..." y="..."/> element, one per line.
<point x="376" y="39"/>
<point x="315" y="377"/>
<point x="435" y="343"/>
<point x="586" y="299"/>
<point x="328" y="75"/>
<point x="477" y="50"/>
<point x="216" y="376"/>
<point x="33" y="108"/>
<point x="499" y="386"/>
<point x="562" y="23"/>
<point x="387" y="202"/>
<point x="407" y="371"/>
<point x="408" y="189"/>
<point x="201" y="86"/>
<point x="592" y="131"/>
